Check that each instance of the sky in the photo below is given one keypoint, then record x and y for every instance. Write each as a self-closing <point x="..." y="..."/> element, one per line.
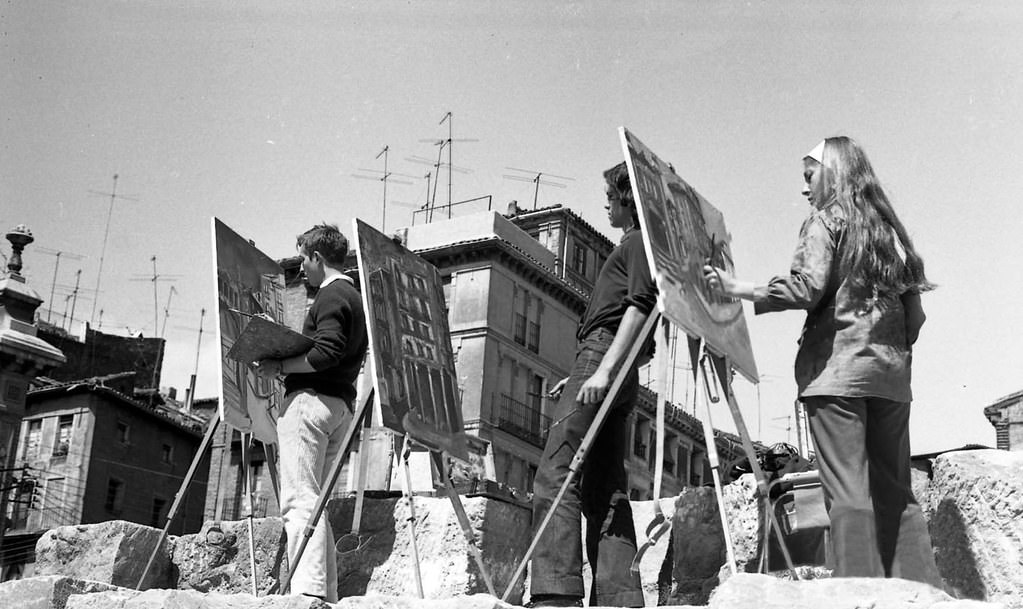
<point x="262" y="113"/>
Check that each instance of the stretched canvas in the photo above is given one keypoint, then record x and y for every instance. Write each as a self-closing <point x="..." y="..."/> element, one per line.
<point x="250" y="285"/>
<point x="410" y="344"/>
<point x="681" y="231"/>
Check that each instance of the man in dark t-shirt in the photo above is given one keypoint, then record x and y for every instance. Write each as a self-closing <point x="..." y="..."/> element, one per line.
<point x="319" y="390"/>
<point x="622" y="298"/>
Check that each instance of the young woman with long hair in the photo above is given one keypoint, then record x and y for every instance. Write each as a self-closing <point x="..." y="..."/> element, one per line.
<point x="859" y="277"/>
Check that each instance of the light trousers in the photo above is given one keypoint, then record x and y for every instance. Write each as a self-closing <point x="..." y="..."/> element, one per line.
<point x="310" y="430"/>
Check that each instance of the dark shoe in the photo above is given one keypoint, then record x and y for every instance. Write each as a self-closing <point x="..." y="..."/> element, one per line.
<point x="554" y="600"/>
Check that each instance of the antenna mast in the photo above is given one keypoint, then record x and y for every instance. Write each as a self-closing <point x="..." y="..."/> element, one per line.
<point x="99" y="275"/>
<point x="56" y="267"/>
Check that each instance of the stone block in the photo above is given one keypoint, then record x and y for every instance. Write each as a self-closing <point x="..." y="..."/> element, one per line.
<point x="698" y="546"/>
<point x="216" y="559"/>
<point x="975" y="502"/>
<point x="113" y="552"/>
<point x="189" y="599"/>
<point x="754" y="591"/>
<point x="379" y="559"/>
<point x="47" y="592"/>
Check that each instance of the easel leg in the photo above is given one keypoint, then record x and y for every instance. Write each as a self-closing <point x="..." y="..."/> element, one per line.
<point x="328" y="487"/>
<point x="584" y="446"/>
<point x="724" y="374"/>
<point x="249" y="505"/>
<point x="715" y="470"/>
<point x="207" y="439"/>
<point x="270" y="450"/>
<point x="463" y="521"/>
<point x="406" y="487"/>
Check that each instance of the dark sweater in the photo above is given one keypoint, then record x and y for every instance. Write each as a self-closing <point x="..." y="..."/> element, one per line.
<point x="624" y="281"/>
<point x="337" y="324"/>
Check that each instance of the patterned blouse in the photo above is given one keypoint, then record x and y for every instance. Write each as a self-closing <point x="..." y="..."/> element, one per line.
<point x="852" y="344"/>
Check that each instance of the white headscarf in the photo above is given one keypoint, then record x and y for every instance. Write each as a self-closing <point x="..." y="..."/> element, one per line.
<point x="817" y="153"/>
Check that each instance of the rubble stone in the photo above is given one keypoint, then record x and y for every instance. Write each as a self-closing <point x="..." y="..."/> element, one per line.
<point x="975" y="504"/>
<point x="755" y="591"/>
<point x="216" y="559"/>
<point x="698" y="546"/>
<point x="47" y="592"/>
<point x="379" y="559"/>
<point x="113" y="552"/>
<point x="189" y="599"/>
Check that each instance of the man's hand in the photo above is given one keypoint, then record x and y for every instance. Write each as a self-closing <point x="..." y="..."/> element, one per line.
<point x="595" y="388"/>
<point x="269" y="368"/>
<point x="555" y="391"/>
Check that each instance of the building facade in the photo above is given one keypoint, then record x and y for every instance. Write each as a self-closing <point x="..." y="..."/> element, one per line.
<point x="1006" y="415"/>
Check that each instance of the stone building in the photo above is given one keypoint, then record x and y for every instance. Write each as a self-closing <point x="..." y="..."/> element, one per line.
<point x="515" y="286"/>
<point x="90" y="452"/>
<point x="1006" y="415"/>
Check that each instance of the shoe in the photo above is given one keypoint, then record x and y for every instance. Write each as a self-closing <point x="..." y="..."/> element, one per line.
<point x="554" y="600"/>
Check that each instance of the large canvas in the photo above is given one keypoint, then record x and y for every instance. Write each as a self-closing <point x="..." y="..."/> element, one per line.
<point x="681" y="231"/>
<point x="249" y="283"/>
<point x="410" y="344"/>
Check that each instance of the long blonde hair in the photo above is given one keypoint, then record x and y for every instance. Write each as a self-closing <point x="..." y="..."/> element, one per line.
<point x="871" y="257"/>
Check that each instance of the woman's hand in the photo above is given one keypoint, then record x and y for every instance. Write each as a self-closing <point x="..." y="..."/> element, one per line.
<point x="719" y="280"/>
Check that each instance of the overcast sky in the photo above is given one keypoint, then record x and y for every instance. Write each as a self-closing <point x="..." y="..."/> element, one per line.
<point x="259" y="113"/>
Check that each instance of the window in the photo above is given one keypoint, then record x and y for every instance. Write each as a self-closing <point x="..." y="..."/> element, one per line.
<point x="167" y="453"/>
<point x="533" y="339"/>
<point x="115" y="496"/>
<point x="159" y="503"/>
<point x="520" y="329"/>
<point x="682" y="462"/>
<point x="62" y="440"/>
<point x="639" y="437"/>
<point x="123" y="432"/>
<point x="578" y="258"/>
<point x="32" y="438"/>
<point x="520" y="324"/>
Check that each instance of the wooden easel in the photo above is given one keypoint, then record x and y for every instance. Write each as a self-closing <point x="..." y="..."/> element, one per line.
<point x="724" y="375"/>
<point x="362" y="410"/>
<point x="200" y="453"/>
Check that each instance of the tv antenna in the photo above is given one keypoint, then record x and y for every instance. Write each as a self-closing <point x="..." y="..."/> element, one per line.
<point x="156" y="278"/>
<point x="166" y="310"/>
<point x="190" y="396"/>
<point x="99" y="275"/>
<point x="384" y="177"/>
<point x="72" y="294"/>
<point x="57" y="254"/>
<point x="449" y="118"/>
<point x="537" y="179"/>
<point x="437" y="165"/>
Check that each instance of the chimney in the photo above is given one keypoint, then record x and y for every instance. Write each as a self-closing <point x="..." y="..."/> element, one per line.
<point x="513" y="208"/>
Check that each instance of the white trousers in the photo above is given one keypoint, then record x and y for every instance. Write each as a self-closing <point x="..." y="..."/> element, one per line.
<point x="309" y="431"/>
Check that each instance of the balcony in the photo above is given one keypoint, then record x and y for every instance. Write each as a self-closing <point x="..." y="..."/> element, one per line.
<point x="522" y="420"/>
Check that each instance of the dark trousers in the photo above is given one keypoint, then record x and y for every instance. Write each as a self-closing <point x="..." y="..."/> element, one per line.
<point x="877" y="527"/>
<point x="600" y="492"/>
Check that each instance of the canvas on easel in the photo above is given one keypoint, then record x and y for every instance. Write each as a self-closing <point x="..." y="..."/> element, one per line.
<point x="250" y="284"/>
<point x="410" y="344"/>
<point x="681" y="231"/>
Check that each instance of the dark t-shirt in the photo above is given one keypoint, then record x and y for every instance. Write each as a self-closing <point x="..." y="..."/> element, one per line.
<point x="337" y="324"/>
<point x="624" y="281"/>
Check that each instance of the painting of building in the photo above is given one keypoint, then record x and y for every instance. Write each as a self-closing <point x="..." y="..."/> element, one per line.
<point x="410" y="344"/>
<point x="682" y="231"/>
<point x="248" y="283"/>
